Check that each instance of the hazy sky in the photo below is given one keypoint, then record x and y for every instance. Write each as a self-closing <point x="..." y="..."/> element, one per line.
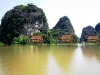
<point x="81" y="12"/>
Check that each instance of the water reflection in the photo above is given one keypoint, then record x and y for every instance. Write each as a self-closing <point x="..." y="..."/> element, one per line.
<point x="52" y="66"/>
<point x="23" y="60"/>
<point x="63" y="56"/>
<point x="91" y="51"/>
<point x="84" y="61"/>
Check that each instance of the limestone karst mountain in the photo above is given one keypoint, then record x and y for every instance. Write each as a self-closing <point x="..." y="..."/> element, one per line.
<point x="63" y="27"/>
<point x="87" y="31"/>
<point x="22" y="20"/>
<point x="64" y="23"/>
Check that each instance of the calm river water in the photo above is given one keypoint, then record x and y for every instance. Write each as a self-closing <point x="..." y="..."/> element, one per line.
<point x="50" y="60"/>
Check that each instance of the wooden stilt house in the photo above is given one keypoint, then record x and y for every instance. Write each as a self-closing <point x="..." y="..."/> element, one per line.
<point x="66" y="38"/>
<point x="37" y="39"/>
<point x="93" y="39"/>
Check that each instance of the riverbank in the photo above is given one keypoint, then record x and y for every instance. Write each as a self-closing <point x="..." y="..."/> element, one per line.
<point x="65" y="44"/>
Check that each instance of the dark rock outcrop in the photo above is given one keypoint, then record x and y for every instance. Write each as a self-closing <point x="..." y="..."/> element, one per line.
<point x="87" y="31"/>
<point x="97" y="28"/>
<point x="64" y="24"/>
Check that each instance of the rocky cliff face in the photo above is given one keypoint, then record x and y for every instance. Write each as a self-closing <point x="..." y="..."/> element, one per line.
<point x="64" y="24"/>
<point x="35" y="19"/>
<point x="89" y="30"/>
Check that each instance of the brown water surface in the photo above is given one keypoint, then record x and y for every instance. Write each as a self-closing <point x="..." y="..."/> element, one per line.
<point x="50" y="60"/>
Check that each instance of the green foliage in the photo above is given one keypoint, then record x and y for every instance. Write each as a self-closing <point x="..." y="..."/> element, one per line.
<point x="76" y="39"/>
<point x="16" y="40"/>
<point x="37" y="33"/>
<point x="11" y="25"/>
<point x="21" y="40"/>
<point x="0" y="33"/>
<point x="48" y="39"/>
<point x="52" y="37"/>
<point x="56" y="34"/>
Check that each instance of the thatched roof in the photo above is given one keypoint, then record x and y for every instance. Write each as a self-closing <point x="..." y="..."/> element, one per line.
<point x="92" y="37"/>
<point x="66" y="37"/>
